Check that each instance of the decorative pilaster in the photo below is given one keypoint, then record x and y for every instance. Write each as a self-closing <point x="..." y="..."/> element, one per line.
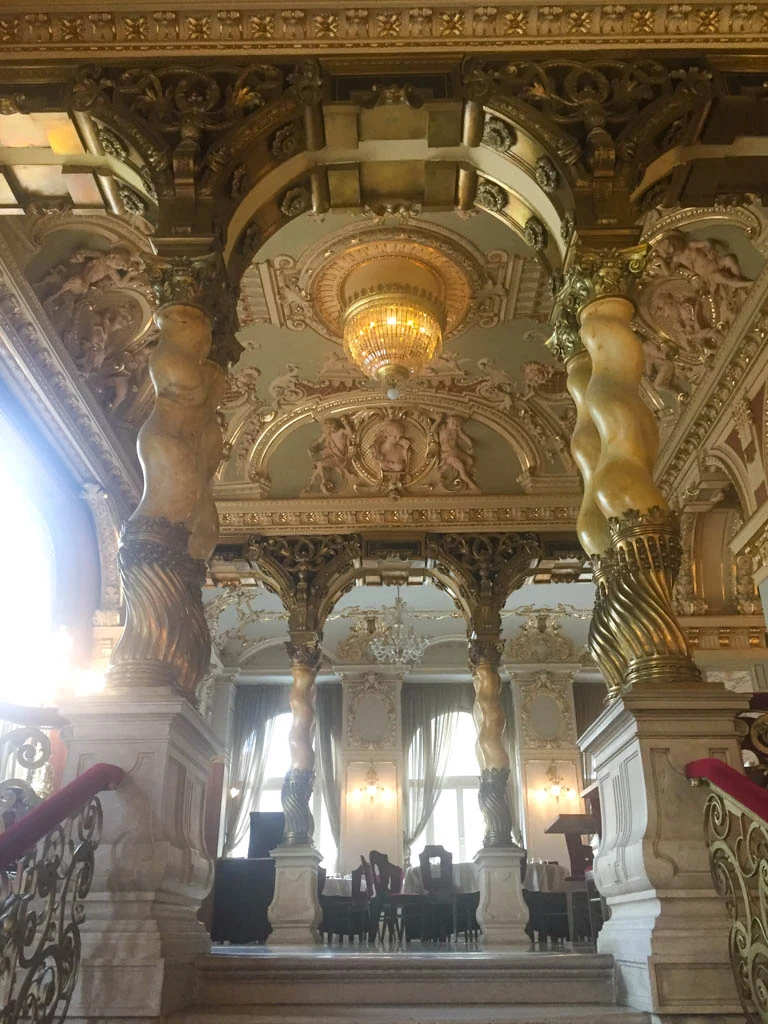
<point x="484" y="657"/>
<point x="175" y="527"/>
<point x="297" y="788"/>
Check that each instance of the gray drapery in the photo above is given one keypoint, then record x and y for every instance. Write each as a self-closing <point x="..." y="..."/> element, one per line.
<point x="510" y="737"/>
<point x="328" y="722"/>
<point x="255" y="710"/>
<point x="429" y="714"/>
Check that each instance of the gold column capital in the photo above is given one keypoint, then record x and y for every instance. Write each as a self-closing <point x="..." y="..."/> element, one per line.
<point x="200" y="281"/>
<point x="305" y="651"/>
<point x="589" y="275"/>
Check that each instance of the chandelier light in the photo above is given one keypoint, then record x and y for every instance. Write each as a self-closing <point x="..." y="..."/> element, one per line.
<point x="394" y="317"/>
<point x="556" y="787"/>
<point x="396" y="641"/>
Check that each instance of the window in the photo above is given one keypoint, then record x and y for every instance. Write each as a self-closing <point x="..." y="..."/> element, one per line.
<point x="456" y="822"/>
<point x="32" y="651"/>
<point x="276" y="768"/>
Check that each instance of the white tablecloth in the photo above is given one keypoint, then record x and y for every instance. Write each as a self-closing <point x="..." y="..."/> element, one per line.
<point x="337" y="887"/>
<point x="464" y="879"/>
<point x="538" y="878"/>
<point x="544" y="877"/>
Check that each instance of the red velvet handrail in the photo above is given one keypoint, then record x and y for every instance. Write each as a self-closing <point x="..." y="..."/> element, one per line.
<point x="55" y="809"/>
<point x="731" y="782"/>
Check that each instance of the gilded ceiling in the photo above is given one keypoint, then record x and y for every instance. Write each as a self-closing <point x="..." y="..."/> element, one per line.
<point x="287" y="172"/>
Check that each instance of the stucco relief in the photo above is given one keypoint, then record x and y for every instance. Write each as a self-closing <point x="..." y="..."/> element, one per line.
<point x="546" y="713"/>
<point x="386" y="451"/>
<point x="371" y="713"/>
<point x="101" y="306"/>
<point x="540" y="640"/>
<point x="687" y="299"/>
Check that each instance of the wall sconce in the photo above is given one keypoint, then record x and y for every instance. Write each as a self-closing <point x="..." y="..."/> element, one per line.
<point x="371" y="789"/>
<point x="556" y="788"/>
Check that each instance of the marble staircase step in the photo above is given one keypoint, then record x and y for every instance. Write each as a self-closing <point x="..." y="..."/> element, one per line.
<point x="467" y="1014"/>
<point x="239" y="978"/>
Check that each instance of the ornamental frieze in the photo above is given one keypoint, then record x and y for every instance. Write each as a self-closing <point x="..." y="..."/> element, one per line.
<point x="313" y="29"/>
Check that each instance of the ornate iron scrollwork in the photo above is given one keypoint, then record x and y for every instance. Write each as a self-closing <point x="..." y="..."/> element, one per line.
<point x="41" y="911"/>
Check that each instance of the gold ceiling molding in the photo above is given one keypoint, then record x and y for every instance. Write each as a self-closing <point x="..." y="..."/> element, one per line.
<point x="742" y="348"/>
<point x="199" y="28"/>
<point x="40" y="370"/>
<point x="254" y="453"/>
<point x="749" y="217"/>
<point x="309" y="516"/>
<point x="306" y="292"/>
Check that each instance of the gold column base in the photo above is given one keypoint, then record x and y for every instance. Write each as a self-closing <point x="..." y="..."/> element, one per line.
<point x="166" y="641"/>
<point x="646" y="546"/>
<point x="601" y="640"/>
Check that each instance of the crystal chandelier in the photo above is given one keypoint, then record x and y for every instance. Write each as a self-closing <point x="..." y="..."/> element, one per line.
<point x="396" y="640"/>
<point x="394" y="316"/>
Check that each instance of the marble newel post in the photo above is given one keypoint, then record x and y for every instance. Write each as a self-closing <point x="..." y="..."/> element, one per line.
<point x="668" y="931"/>
<point x="141" y="935"/>
<point x="295" y="909"/>
<point x="502" y="913"/>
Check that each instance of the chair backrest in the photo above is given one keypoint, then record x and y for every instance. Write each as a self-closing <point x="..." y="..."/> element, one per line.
<point x="360" y="894"/>
<point x="380" y="867"/>
<point x="395" y="879"/>
<point x="436" y="869"/>
<point x="321" y="876"/>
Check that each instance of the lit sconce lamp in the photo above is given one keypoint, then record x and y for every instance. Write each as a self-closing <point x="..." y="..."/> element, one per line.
<point x="556" y="788"/>
<point x="371" y="789"/>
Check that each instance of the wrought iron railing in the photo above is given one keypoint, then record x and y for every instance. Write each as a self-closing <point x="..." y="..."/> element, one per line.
<point x="46" y="870"/>
<point x="736" y="823"/>
<point x="25" y="759"/>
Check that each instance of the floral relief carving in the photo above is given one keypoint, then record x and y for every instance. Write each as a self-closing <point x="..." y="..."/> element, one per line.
<point x="546" y="714"/>
<point x="467" y="26"/>
<point x="540" y="640"/>
<point x="371" y="720"/>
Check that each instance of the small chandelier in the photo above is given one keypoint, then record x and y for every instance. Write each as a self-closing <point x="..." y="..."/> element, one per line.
<point x="397" y="641"/>
<point x="556" y="787"/>
<point x="372" y="789"/>
<point x="394" y="317"/>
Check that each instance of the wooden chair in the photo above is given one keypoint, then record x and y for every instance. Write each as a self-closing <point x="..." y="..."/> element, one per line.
<point x="387" y="882"/>
<point x="442" y="904"/>
<point x="349" y="915"/>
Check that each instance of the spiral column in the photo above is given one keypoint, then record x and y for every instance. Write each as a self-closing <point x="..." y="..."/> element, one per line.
<point x="298" y="784"/>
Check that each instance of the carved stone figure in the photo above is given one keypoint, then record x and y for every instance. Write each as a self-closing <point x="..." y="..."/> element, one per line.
<point x="391" y="448"/>
<point x="687" y="299"/>
<point x="331" y="468"/>
<point x="456" y="458"/>
<point x="95" y="343"/>
<point x="180" y="443"/>
<point x="85" y="271"/>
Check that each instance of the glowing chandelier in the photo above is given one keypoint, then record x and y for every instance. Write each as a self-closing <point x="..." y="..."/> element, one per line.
<point x="396" y="641"/>
<point x="394" y="317"/>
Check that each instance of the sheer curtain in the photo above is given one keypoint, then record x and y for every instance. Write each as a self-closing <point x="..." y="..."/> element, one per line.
<point x="328" y="712"/>
<point x="255" y="711"/>
<point x="513" y="787"/>
<point x="429" y="713"/>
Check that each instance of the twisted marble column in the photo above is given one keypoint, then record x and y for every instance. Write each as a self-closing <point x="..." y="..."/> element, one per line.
<point x="297" y="788"/>
<point x="167" y="540"/>
<point x="484" y="657"/>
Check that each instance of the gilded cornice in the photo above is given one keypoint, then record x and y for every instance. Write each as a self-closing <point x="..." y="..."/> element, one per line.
<point x="201" y="29"/>
<point x="448" y="514"/>
<point x="709" y="402"/>
<point x="43" y="375"/>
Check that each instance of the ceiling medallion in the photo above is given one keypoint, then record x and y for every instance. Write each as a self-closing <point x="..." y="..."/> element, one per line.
<point x="394" y="318"/>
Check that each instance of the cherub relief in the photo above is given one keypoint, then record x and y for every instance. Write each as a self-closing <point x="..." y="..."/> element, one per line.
<point x="94" y="344"/>
<point x="391" y="448"/>
<point x="85" y="271"/>
<point x="456" y="452"/>
<point x="332" y="454"/>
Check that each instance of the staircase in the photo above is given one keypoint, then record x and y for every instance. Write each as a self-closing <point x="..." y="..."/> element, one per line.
<point x="240" y="986"/>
